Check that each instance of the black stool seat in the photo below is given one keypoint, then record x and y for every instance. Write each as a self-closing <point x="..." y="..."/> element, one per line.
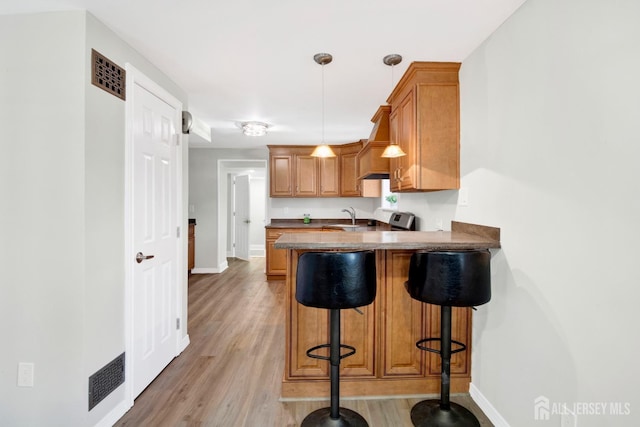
<point x="449" y="279"/>
<point x="457" y="279"/>
<point x="335" y="281"/>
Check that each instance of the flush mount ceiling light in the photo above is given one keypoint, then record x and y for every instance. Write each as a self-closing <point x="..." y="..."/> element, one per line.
<point x="254" y="128"/>
<point x="392" y="150"/>
<point x="323" y="150"/>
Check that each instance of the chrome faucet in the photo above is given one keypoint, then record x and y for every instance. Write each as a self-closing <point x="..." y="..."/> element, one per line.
<point x="352" y="214"/>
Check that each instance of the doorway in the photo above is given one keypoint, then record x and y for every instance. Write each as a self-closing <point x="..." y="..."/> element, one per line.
<point x="256" y="198"/>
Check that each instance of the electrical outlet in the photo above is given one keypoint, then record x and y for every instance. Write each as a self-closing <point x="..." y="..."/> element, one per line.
<point x="463" y="197"/>
<point x="568" y="419"/>
<point x="25" y="374"/>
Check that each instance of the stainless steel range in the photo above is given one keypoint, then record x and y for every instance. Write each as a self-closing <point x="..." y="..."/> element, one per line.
<point x="402" y="221"/>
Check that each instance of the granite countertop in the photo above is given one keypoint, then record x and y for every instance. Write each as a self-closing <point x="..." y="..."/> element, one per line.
<point x="461" y="236"/>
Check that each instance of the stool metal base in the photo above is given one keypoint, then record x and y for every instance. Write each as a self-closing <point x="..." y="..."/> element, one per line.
<point x="322" y="418"/>
<point x="429" y="413"/>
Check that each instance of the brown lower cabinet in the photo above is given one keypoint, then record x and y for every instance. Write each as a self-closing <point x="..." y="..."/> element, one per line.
<point x="276" y="262"/>
<point x="387" y="361"/>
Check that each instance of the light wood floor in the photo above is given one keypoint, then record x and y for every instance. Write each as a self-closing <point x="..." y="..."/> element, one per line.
<point x="230" y="374"/>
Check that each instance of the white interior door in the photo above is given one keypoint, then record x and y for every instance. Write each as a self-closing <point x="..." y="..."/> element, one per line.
<point x="242" y="216"/>
<point x="154" y="236"/>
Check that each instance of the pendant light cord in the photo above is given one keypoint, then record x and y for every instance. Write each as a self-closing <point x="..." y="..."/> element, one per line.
<point x="323" y="103"/>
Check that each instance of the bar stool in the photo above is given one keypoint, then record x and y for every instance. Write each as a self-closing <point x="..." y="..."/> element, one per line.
<point x="335" y="281"/>
<point x="458" y="279"/>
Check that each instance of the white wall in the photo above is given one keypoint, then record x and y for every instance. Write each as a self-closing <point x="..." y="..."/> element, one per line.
<point x="550" y="113"/>
<point x="61" y="271"/>
<point x="43" y="218"/>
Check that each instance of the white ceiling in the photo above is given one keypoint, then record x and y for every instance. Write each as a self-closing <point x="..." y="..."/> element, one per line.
<point x="253" y="60"/>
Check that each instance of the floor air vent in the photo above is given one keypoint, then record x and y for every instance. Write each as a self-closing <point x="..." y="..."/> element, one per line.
<point x="107" y="75"/>
<point x="106" y="380"/>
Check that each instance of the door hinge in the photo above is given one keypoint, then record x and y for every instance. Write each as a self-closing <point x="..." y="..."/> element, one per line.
<point x="178" y="232"/>
<point x="178" y="323"/>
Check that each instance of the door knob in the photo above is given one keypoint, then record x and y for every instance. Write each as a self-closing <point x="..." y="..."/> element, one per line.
<point x="141" y="257"/>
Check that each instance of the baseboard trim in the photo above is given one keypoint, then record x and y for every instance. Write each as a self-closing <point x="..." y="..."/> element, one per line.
<point x="223" y="266"/>
<point x="114" y="415"/>
<point x="257" y="251"/>
<point x="486" y="407"/>
<point x="202" y="270"/>
<point x="184" y="343"/>
<point x="208" y="270"/>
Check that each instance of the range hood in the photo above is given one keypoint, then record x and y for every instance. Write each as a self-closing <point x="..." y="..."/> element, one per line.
<point x="370" y="164"/>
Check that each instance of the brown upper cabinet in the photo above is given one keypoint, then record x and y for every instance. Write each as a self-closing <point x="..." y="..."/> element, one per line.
<point x="281" y="175"/>
<point x="425" y="122"/>
<point x="350" y="185"/>
<point x="294" y="173"/>
<point x="306" y="182"/>
<point x="329" y="168"/>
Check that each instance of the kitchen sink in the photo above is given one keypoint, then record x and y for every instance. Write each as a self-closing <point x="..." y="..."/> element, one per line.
<point x="349" y="227"/>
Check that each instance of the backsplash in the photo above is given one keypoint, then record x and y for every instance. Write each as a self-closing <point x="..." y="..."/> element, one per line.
<point x="327" y="208"/>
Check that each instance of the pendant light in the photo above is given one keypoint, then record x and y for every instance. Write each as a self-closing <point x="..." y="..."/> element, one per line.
<point x="323" y="150"/>
<point x="393" y="149"/>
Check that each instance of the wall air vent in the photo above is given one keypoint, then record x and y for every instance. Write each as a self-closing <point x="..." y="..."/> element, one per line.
<point x="107" y="75"/>
<point x="106" y="380"/>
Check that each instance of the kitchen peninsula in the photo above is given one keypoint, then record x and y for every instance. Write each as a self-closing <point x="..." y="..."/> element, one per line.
<point x="387" y="361"/>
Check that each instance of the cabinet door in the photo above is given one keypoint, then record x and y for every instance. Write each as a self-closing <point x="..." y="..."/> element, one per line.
<point x="460" y="331"/>
<point x="358" y="330"/>
<point x="349" y="182"/>
<point x="394" y="164"/>
<point x="402" y="321"/>
<point x="276" y="260"/>
<point x="309" y="327"/>
<point x="281" y="176"/>
<point x="306" y="176"/>
<point x="406" y="127"/>
<point x="329" y="177"/>
<point x="438" y="148"/>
